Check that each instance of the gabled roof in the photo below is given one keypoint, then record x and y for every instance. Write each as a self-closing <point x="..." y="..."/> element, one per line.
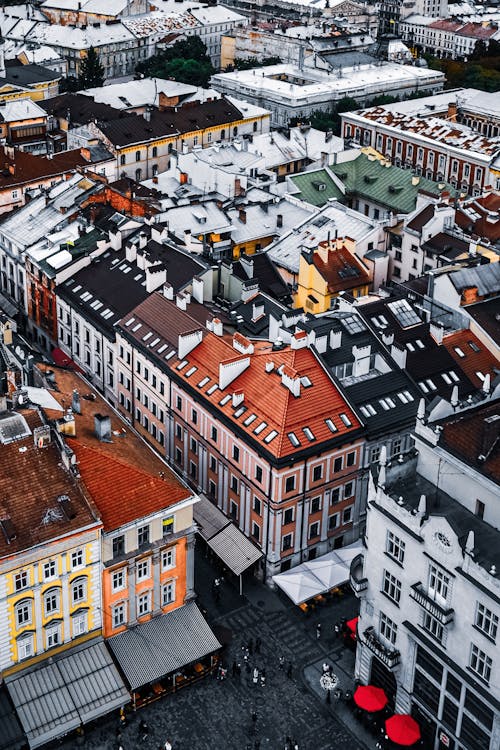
<point x="472" y="356"/>
<point x="316" y="188"/>
<point x="340" y="269"/>
<point x="78" y="109"/>
<point x="481" y="215"/>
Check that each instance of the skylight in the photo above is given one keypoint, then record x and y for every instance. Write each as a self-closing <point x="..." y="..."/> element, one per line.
<point x="293" y="439"/>
<point x="129" y="322"/>
<point x="423" y="387"/>
<point x="191" y="370"/>
<point x="271" y="436"/>
<point x="345" y="419"/>
<point x="182" y="364"/>
<point x="353" y="324"/>
<point x="162" y="348"/>
<point x="420" y="344"/>
<point x="306" y="382"/>
<point x="147" y="336"/>
<point x="212" y="389"/>
<point x="241" y="410"/>
<point x="404" y="313"/>
<point x="331" y="425"/>
<point x="308" y="433"/>
<point x="170" y="354"/>
<point x="260" y="427"/>
<point x="203" y="382"/>
<point x="250" y="419"/>
<point x="459" y="351"/>
<point x="154" y="342"/>
<point x="474" y="346"/>
<point x="431" y="384"/>
<point x="136" y="327"/>
<point x="224" y="400"/>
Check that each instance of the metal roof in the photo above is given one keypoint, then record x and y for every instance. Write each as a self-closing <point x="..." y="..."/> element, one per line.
<point x="163" y="645"/>
<point x="11" y="736"/>
<point x="226" y="540"/>
<point x="53" y="699"/>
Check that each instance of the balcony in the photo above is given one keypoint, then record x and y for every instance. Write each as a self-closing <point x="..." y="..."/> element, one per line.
<point x="356" y="578"/>
<point x="444" y="616"/>
<point x="389" y="656"/>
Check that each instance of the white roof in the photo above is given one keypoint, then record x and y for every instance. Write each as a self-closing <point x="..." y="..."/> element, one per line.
<point x="103" y="7"/>
<point x="276" y="148"/>
<point x="138" y="93"/>
<point x="42" y="397"/>
<point x="70" y="38"/>
<point x="246" y="108"/>
<point x="159" y="24"/>
<point x="21" y="109"/>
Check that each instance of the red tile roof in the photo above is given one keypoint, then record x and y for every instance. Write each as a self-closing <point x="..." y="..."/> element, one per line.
<point x="122" y="492"/>
<point x="341" y="270"/>
<point x="482" y="360"/>
<point x="481" y="216"/>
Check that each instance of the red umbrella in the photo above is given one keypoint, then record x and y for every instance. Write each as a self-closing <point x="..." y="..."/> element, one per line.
<point x="370" y="698"/>
<point x="402" y="729"/>
<point x="352" y="624"/>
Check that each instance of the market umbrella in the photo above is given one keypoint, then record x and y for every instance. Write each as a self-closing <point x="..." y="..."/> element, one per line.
<point x="402" y="729"/>
<point x="352" y="624"/>
<point x="370" y="698"/>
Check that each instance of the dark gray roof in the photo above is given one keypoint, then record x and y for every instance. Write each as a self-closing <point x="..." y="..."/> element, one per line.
<point x="25" y="75"/>
<point x="11" y="736"/>
<point x="165" y="644"/>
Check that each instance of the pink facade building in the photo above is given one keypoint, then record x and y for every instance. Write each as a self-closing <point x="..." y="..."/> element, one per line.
<point x="262" y="430"/>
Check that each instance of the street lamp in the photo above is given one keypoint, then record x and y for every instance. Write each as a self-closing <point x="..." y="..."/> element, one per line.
<point x="329" y="681"/>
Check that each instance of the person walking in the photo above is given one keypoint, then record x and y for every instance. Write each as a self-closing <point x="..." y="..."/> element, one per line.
<point x="318" y="631"/>
<point x="281" y="662"/>
<point x="263" y="678"/>
<point x="255" y="677"/>
<point x="167" y="745"/>
<point x="143" y="730"/>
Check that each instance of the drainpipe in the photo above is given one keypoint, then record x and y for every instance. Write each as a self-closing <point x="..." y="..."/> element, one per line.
<point x="268" y="522"/>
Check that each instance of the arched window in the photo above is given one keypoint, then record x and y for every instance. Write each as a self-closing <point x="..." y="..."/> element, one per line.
<point x="155" y="152"/>
<point x="79" y="590"/>
<point x="52" y="602"/>
<point x="137" y="155"/>
<point x="155" y="170"/>
<point x="255" y="127"/>
<point x="122" y="159"/>
<point x="222" y="134"/>
<point x="138" y="175"/>
<point x="235" y="130"/>
<point x="24" y="612"/>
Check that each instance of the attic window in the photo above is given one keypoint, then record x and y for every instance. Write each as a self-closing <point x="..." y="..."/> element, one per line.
<point x="212" y="389"/>
<point x="459" y="351"/>
<point x="162" y="349"/>
<point x="136" y="327"/>
<point x="271" y="436"/>
<point x="129" y="322"/>
<point x="191" y="371"/>
<point x="345" y="419"/>
<point x="240" y="411"/>
<point x="420" y="344"/>
<point x="474" y="346"/>
<point x="154" y="342"/>
<point x="203" y="382"/>
<point x="262" y="426"/>
<point x="308" y="433"/>
<point x="410" y="346"/>
<point x="250" y="419"/>
<point x="182" y="364"/>
<point x="305" y="382"/>
<point x="170" y="354"/>
<point x="331" y="425"/>
<point x="480" y="375"/>
<point x="147" y="336"/>
<point x="224" y="400"/>
<point x="453" y="375"/>
<point x="423" y="387"/>
<point x="446" y="378"/>
<point x="431" y="384"/>
<point x="293" y="439"/>
<point x="368" y="411"/>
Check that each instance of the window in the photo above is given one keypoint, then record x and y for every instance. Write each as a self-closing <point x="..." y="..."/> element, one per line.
<point x="234" y="484"/>
<point x="480" y="509"/>
<point x="433" y="626"/>
<point x="194" y="446"/>
<point x="256" y="531"/>
<point x="347" y="515"/>
<point x="168" y="558"/>
<point x="137" y="155"/>
<point x="314" y="530"/>
<point x="315" y="504"/>
<point x="51" y="602"/>
<point x="79" y="590"/>
<point x="388" y="628"/>
<point x="213" y="463"/>
<point x="233" y="510"/>
<point x="287" y="542"/>
<point x="79" y="623"/>
<point x="333" y="521"/>
<point x="391" y="587"/>
<point x="337" y="464"/>
<point x="486" y="621"/>
<point x="167" y="593"/>
<point x="77" y="559"/>
<point x="480" y="663"/>
<point x="194" y="416"/>
<point x="49" y="570"/>
<point x="122" y="159"/>
<point x="258" y="474"/>
<point x="118" y="615"/>
<point x="236" y="453"/>
<point x="178" y="403"/>
<point x="317" y="473"/>
<point x="168" y="526"/>
<point x="154" y="152"/>
<point x="23" y="613"/>
<point x="213" y="433"/>
<point x="144" y="604"/>
<point x="118" y="546"/>
<point x="288" y="516"/>
<point x="335" y="497"/>
<point x="118" y="580"/>
<point x="178" y="432"/>
<point x="143" y="568"/>
<point x="142" y="536"/>
<point x="53" y="636"/>
<point x="349" y="489"/>
<point x="351" y="458"/>
<point x="439" y="584"/>
<point x="289" y="484"/>
<point x="25" y="647"/>
<point x="395" y="547"/>
<point x="257" y="506"/>
<point x="21" y="581"/>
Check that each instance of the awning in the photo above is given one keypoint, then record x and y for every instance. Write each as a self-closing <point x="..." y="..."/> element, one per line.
<point x="234" y="549"/>
<point x="317" y="576"/>
<point x="7" y="307"/>
<point x="76" y="687"/>
<point x="164" y="644"/>
<point x="62" y="359"/>
<point x="11" y="734"/>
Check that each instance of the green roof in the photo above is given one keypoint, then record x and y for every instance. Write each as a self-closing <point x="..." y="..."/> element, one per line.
<point x="388" y="185"/>
<point x="316" y="187"/>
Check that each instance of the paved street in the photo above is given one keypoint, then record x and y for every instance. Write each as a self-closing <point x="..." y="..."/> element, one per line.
<point x="215" y="714"/>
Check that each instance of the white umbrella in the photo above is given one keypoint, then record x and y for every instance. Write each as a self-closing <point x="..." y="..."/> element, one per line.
<point x="299" y="584"/>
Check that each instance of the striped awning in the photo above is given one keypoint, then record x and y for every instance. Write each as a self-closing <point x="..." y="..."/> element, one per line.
<point x="52" y="699"/>
<point x="163" y="645"/>
<point x="235" y="550"/>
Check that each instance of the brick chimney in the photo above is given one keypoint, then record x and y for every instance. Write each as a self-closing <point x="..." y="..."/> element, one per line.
<point x="489" y="436"/>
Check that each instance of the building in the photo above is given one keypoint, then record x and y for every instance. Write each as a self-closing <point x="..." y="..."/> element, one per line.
<point x="261" y="430"/>
<point x="454" y="142"/>
<point x="293" y="92"/>
<point x="428" y="583"/>
<point x="446" y="37"/>
<point x="326" y="272"/>
<point x="393" y="14"/>
<point x="82" y="13"/>
<point x="27" y="81"/>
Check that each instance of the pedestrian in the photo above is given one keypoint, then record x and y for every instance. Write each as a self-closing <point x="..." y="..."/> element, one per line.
<point x="253" y="716"/>
<point x="295" y="746"/>
<point x="257" y="645"/>
<point x="167" y="745"/>
<point x="318" y="631"/>
<point x="336" y="628"/>
<point x="143" y="730"/>
<point x="281" y="661"/>
<point x="263" y="678"/>
<point x="289" y="670"/>
<point x="238" y="669"/>
<point x="234" y="669"/>
<point x="255" y="676"/>
<point x="250" y="646"/>
<point x="326" y="667"/>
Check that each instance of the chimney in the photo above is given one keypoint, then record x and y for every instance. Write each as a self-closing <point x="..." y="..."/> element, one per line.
<point x="156" y="276"/>
<point x="437" y="332"/>
<point x="102" y="427"/>
<point x="75" y="402"/>
<point x="335" y="339"/>
<point x="452" y="112"/>
<point x="198" y="289"/>
<point x="269" y="365"/>
<point x="361" y="356"/>
<point x="388" y="337"/>
<point x="66" y="425"/>
<point x="290" y="378"/>
<point x="489" y="436"/>
<point x="238" y="398"/>
<point x="258" y="312"/>
<point x="168" y="290"/>
<point x="131" y="252"/>
<point x="279" y="221"/>
<point x="298" y="340"/>
<point x="181" y="301"/>
<point x="242" y="214"/>
<point x="143" y="240"/>
<point x="398" y="354"/>
<point x="217" y="327"/>
<point x="242" y="344"/>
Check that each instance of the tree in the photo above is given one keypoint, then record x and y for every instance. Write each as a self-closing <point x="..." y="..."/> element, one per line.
<point x="185" y="61"/>
<point x="480" y="50"/>
<point x="91" y="71"/>
<point x="70" y="83"/>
